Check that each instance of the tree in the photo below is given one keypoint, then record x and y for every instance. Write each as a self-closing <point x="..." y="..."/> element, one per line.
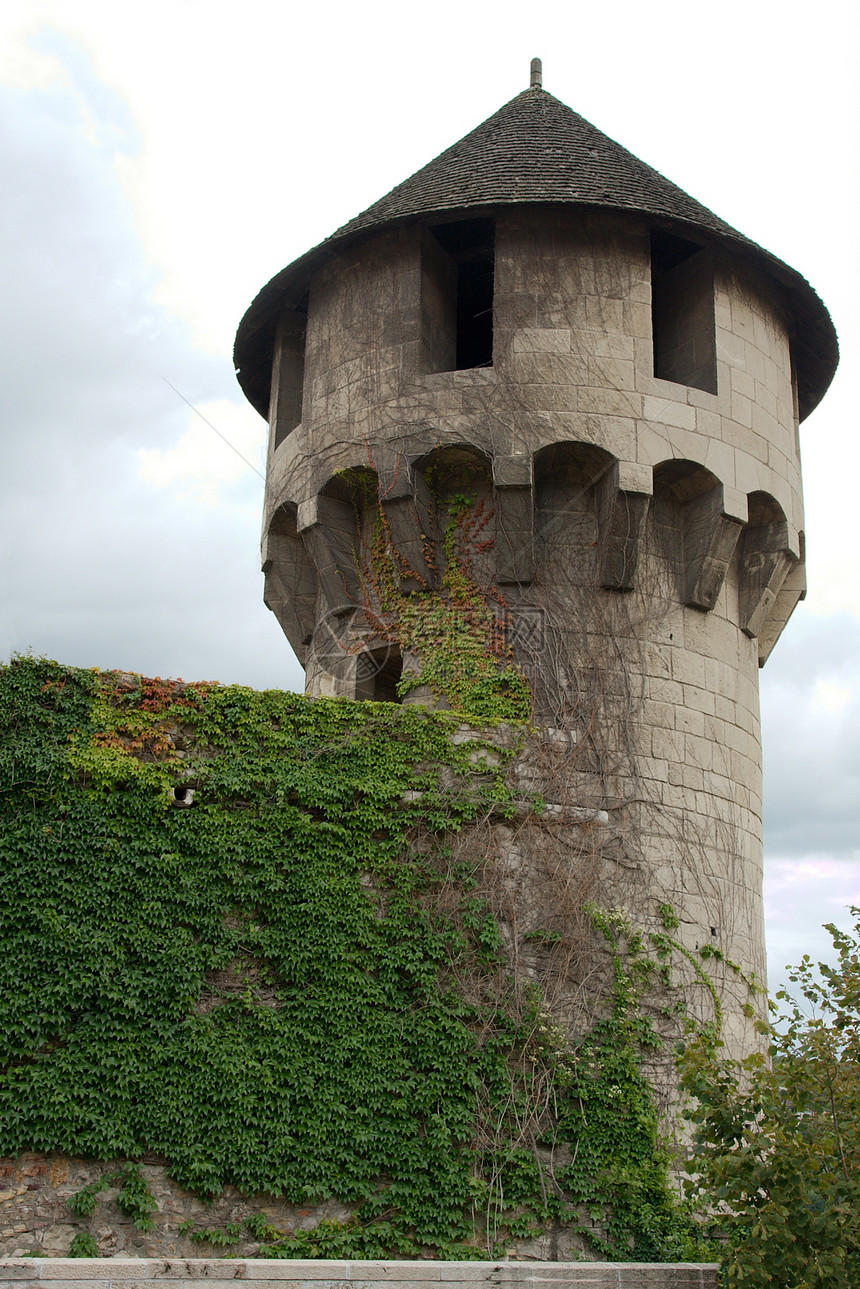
<point x="778" y="1139"/>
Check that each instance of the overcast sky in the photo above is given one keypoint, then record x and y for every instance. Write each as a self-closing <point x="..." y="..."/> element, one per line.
<point x="160" y="163"/>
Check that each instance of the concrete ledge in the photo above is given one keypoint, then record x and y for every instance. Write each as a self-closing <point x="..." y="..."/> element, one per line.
<point x="273" y="1273"/>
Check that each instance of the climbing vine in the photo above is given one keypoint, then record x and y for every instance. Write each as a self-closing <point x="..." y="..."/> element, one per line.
<point x="134" y="1197"/>
<point x="261" y="989"/>
<point x="454" y="633"/>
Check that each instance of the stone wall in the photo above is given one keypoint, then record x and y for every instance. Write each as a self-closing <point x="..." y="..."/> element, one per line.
<point x="573" y="360"/>
<point x="37" y="1227"/>
<point x="35" y="1218"/>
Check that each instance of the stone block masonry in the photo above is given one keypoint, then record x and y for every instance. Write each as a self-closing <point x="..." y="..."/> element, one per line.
<point x="76" y="1273"/>
<point x="36" y="1221"/>
<point x="641" y="517"/>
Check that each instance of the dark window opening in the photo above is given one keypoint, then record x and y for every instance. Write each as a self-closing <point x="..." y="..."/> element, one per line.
<point x="668" y="251"/>
<point x="795" y="399"/>
<point x="288" y="373"/>
<point x="378" y="672"/>
<point x="385" y="683"/>
<point x="457" y="306"/>
<point x="682" y="312"/>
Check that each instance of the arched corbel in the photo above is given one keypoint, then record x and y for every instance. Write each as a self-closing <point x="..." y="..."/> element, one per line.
<point x="290" y="588"/>
<point x="330" y="533"/>
<point x="408" y="508"/>
<point x="623" y="496"/>
<point x="768" y="551"/>
<point x="513" y="484"/>
<point x="787" y="598"/>
<point x="713" y="522"/>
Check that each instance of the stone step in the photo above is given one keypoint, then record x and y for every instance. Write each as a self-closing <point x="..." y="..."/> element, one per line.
<point x="275" y="1273"/>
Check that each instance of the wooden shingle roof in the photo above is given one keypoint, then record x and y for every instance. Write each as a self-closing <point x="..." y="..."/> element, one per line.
<point x="537" y="150"/>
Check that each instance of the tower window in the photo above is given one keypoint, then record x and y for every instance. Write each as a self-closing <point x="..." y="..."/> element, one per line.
<point x="458" y="270"/>
<point x="795" y="398"/>
<point x="377" y="673"/>
<point x="682" y="312"/>
<point x="288" y="373"/>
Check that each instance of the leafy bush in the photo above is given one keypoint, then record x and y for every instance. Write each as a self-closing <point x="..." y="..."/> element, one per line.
<point x="779" y="1139"/>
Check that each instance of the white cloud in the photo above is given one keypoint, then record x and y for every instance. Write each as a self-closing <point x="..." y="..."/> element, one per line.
<point x="800" y="897"/>
<point x="101" y="567"/>
<point x="24" y="66"/>
<point x="831" y="697"/>
<point x="222" y="443"/>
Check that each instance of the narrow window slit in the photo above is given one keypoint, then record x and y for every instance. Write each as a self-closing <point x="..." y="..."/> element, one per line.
<point x="682" y="312"/>
<point x="288" y="372"/>
<point x="458" y="274"/>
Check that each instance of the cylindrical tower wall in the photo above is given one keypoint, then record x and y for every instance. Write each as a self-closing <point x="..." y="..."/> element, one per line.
<point x="652" y="525"/>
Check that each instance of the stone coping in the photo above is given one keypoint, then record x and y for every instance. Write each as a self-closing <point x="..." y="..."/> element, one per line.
<point x="276" y="1273"/>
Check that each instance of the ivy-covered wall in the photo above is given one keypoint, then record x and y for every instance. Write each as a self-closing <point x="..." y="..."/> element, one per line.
<point x="247" y="955"/>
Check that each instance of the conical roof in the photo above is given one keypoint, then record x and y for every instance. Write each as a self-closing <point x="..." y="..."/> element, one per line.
<point x="536" y="150"/>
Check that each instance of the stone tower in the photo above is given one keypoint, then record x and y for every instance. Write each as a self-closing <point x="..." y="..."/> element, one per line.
<point x="616" y="377"/>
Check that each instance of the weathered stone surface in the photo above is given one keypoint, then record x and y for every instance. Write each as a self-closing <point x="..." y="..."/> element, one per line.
<point x="36" y="1219"/>
<point x="76" y="1273"/>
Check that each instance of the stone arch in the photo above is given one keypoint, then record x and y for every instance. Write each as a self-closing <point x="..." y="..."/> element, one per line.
<point x="350" y="655"/>
<point x="764" y="509"/>
<point x="693" y="534"/>
<point x="330" y="526"/>
<point x="342" y="516"/>
<point x="461" y="470"/>
<point x="686" y="479"/>
<point x="576" y="480"/>
<point x="453" y="468"/>
<point x="569" y="481"/>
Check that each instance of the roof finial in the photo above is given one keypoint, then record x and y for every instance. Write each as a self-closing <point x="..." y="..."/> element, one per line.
<point x="536" y="82"/>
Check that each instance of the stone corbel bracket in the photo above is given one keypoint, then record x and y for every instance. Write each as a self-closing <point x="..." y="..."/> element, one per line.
<point x="787" y="598"/>
<point x="329" y="531"/>
<point x="407" y="505"/>
<point x="623" y="497"/>
<point x="290" y="588"/>
<point x="713" y="522"/>
<point x="769" y="552"/>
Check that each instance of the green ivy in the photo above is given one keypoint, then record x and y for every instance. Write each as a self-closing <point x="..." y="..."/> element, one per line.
<point x="343" y="1062"/>
<point x="83" y="1202"/>
<point x="83" y="1245"/>
<point x="610" y="1114"/>
<point x="135" y="1198"/>
<point x="456" y="632"/>
<point x="225" y="1236"/>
